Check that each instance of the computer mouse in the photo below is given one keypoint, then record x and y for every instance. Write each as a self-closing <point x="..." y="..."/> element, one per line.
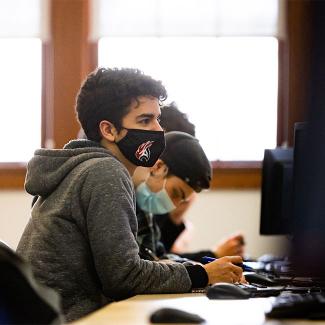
<point x="227" y="291"/>
<point x="173" y="315"/>
<point x="258" y="278"/>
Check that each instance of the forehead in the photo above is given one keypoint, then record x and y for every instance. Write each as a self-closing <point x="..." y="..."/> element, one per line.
<point x="144" y="105"/>
<point x="177" y="184"/>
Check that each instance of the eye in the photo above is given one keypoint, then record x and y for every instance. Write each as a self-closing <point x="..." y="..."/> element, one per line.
<point x="144" y="121"/>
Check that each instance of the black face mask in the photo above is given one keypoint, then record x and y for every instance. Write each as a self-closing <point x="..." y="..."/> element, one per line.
<point x="142" y="147"/>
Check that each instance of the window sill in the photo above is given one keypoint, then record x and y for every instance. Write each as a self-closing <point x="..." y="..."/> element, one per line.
<point x="226" y="175"/>
<point x="12" y="176"/>
<point x="236" y="175"/>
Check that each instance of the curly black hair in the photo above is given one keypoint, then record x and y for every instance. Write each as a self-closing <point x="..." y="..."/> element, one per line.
<point x="172" y="119"/>
<point x="107" y="94"/>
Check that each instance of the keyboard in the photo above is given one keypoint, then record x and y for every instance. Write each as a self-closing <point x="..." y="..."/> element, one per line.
<point x="255" y="290"/>
<point x="272" y="264"/>
<point x="259" y="290"/>
<point x="293" y="305"/>
<point x="279" y="268"/>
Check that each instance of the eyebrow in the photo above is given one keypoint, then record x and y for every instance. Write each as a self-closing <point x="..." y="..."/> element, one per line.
<point x="146" y="115"/>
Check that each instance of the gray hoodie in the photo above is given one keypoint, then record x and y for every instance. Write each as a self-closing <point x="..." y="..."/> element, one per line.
<point x="81" y="238"/>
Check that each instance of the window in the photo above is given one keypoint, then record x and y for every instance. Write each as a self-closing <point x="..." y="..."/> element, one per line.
<point x="72" y="42"/>
<point x="20" y="98"/>
<point x="217" y="58"/>
<point x="52" y="58"/>
<point x="23" y="27"/>
<point x="226" y="85"/>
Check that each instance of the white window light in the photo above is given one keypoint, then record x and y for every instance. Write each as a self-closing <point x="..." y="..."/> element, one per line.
<point x="23" y="27"/>
<point x="217" y="58"/>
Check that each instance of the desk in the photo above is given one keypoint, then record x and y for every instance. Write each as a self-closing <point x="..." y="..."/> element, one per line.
<point x="136" y="310"/>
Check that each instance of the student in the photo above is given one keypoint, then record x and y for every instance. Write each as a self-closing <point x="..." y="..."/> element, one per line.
<point x="172" y="119"/>
<point x="172" y="225"/>
<point x="81" y="238"/>
<point x="182" y="170"/>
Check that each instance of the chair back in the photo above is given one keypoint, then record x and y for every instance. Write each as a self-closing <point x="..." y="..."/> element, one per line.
<point x="22" y="299"/>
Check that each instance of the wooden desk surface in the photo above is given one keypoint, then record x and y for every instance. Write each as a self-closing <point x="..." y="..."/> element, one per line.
<point x="136" y="310"/>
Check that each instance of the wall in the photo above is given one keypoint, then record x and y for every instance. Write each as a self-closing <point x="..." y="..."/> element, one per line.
<point x="214" y="214"/>
<point x="15" y="212"/>
<point x="219" y="213"/>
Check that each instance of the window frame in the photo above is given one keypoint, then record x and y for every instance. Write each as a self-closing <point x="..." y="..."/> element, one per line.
<point x="70" y="47"/>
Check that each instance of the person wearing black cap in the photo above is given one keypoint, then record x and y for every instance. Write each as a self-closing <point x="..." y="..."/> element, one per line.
<point x="172" y="119"/>
<point x="182" y="170"/>
<point x="173" y="228"/>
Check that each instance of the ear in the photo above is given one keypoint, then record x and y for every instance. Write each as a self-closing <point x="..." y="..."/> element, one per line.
<point x="159" y="169"/>
<point x="108" y="130"/>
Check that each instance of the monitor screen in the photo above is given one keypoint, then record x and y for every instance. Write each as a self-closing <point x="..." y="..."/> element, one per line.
<point x="299" y="175"/>
<point x="276" y="198"/>
<point x="309" y="200"/>
<point x="309" y="179"/>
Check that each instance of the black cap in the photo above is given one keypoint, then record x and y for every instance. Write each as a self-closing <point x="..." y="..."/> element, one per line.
<point x="186" y="159"/>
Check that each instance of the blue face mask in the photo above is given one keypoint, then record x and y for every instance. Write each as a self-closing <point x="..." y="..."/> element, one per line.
<point x="154" y="202"/>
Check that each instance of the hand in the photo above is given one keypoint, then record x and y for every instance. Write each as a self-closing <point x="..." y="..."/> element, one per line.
<point x="223" y="270"/>
<point x="243" y="280"/>
<point x="177" y="216"/>
<point x="231" y="246"/>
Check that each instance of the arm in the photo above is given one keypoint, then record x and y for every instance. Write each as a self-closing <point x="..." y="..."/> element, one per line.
<point x="197" y="256"/>
<point x="233" y="245"/>
<point x="170" y="231"/>
<point x="112" y="227"/>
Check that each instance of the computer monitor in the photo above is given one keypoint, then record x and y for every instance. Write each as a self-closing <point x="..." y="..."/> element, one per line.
<point x="309" y="183"/>
<point x="300" y="175"/>
<point x="308" y="249"/>
<point x="276" y="198"/>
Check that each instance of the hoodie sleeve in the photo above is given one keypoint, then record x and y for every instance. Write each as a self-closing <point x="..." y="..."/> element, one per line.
<point x="108" y="204"/>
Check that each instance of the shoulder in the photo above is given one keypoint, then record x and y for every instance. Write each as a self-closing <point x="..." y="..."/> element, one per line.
<point x="105" y="166"/>
<point x="107" y="170"/>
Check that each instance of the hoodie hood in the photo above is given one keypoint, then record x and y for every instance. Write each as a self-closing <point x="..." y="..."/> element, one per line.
<point x="48" y="167"/>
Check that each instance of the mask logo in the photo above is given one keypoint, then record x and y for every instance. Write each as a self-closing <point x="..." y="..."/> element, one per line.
<point x="143" y="152"/>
